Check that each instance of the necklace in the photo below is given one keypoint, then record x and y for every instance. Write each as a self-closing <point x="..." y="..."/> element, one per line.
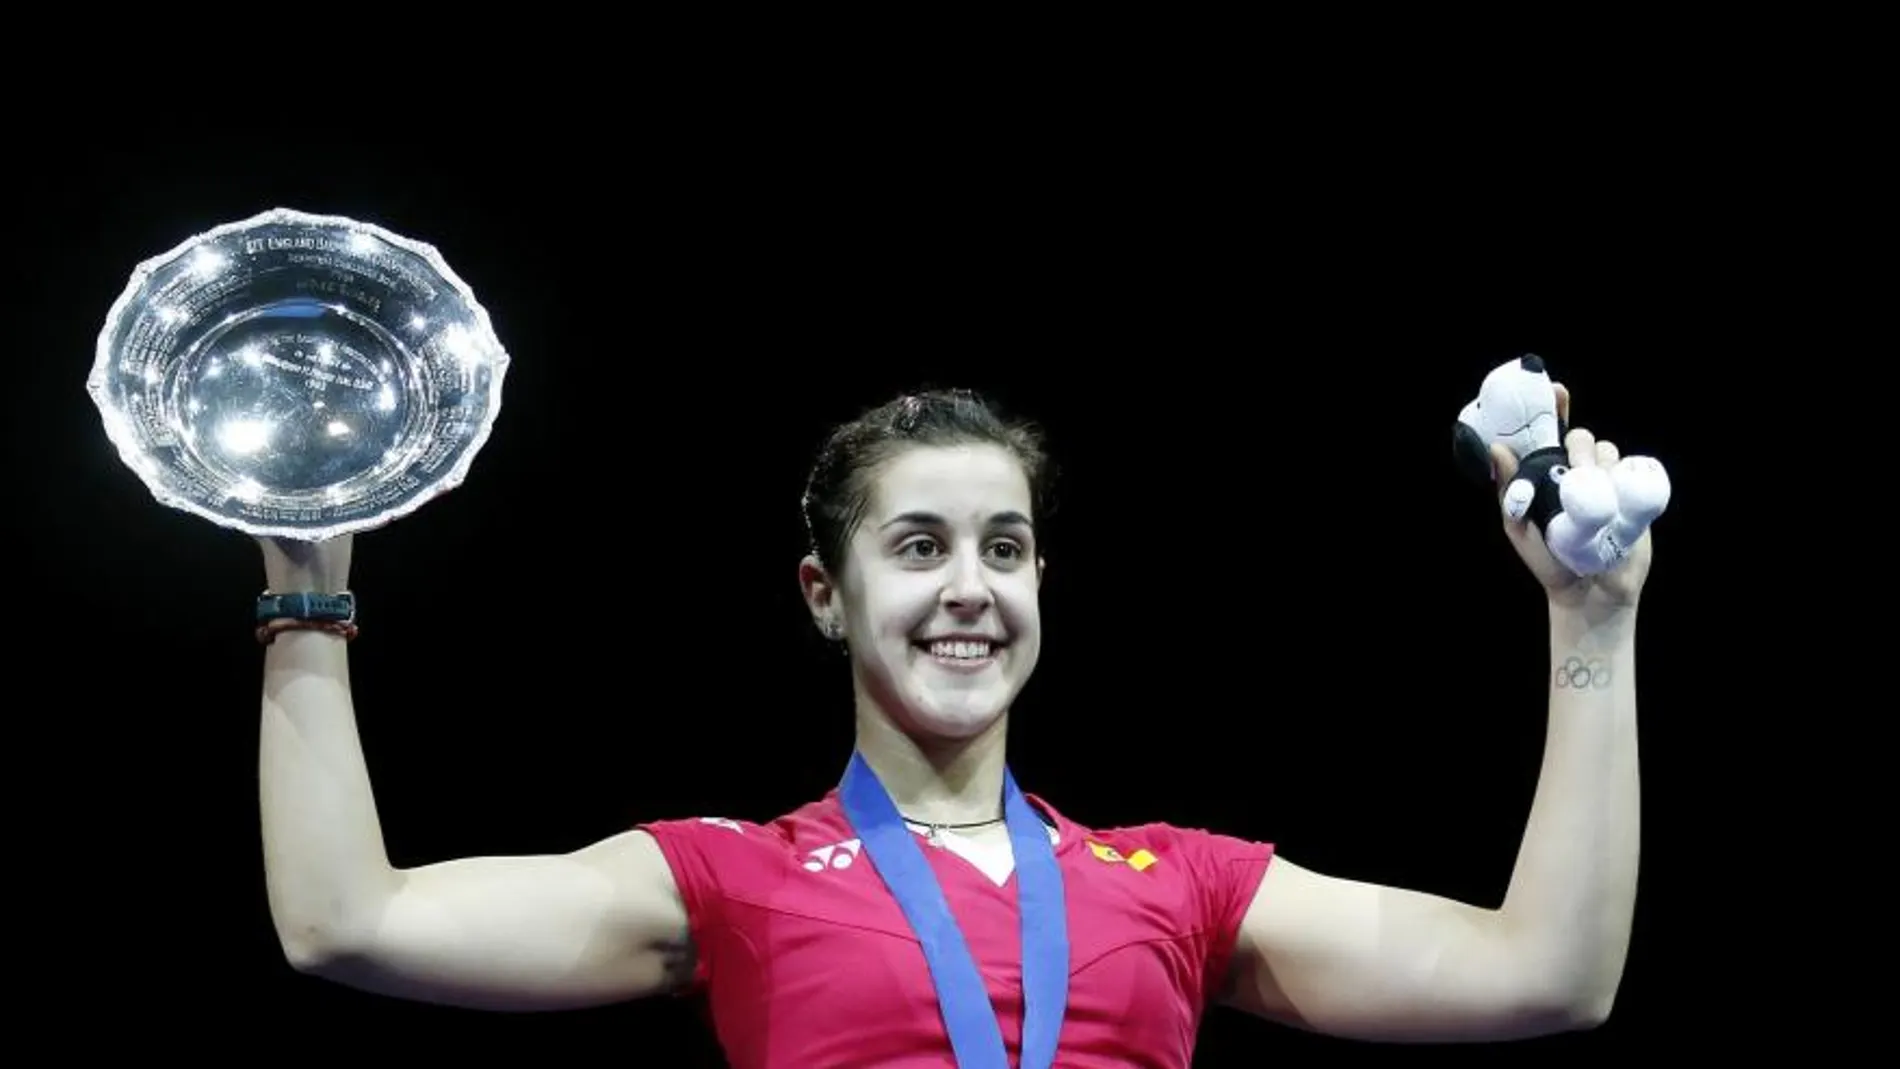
<point x="933" y="832"/>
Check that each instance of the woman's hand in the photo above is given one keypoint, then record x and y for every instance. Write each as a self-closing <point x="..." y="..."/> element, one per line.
<point x="1597" y="595"/>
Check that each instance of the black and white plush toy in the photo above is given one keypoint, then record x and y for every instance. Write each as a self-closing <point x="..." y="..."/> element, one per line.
<point x="1589" y="516"/>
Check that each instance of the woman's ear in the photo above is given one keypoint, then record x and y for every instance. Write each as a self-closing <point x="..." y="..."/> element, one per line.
<point x="821" y="597"/>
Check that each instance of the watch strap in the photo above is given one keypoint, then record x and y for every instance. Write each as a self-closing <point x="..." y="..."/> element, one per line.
<point x="303" y="605"/>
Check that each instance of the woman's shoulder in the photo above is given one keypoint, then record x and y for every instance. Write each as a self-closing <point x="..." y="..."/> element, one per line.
<point x="814" y="822"/>
<point x="1150" y="841"/>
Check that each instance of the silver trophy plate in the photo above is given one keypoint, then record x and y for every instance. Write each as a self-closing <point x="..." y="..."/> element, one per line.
<point x="298" y="376"/>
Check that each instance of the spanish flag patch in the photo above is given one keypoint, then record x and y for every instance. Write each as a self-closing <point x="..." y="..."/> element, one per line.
<point x="1140" y="860"/>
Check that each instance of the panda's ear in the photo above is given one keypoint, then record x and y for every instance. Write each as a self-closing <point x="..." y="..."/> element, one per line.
<point x="1532" y="363"/>
<point x="1472" y="454"/>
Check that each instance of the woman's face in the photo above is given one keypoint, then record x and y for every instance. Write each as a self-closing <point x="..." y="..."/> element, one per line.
<point x="939" y="594"/>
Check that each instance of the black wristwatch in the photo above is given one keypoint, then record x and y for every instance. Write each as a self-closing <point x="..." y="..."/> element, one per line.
<point x="302" y="605"/>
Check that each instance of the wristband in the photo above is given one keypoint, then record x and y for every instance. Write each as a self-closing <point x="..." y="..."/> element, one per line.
<point x="267" y="633"/>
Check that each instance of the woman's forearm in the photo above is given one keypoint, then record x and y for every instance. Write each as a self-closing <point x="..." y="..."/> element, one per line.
<point x="1573" y="891"/>
<point x="325" y="865"/>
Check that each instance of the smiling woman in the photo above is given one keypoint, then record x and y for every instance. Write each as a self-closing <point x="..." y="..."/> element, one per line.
<point x="987" y="929"/>
<point x="925" y="563"/>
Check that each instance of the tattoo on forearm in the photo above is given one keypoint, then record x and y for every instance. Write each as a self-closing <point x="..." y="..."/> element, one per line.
<point x="1577" y="673"/>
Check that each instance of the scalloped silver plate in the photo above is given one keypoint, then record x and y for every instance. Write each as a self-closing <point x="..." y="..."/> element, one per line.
<point x="298" y="376"/>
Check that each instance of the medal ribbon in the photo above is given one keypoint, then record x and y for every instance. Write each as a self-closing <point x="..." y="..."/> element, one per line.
<point x="967" y="1013"/>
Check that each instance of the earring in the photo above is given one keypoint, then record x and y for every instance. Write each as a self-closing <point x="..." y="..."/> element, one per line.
<point x="833" y="630"/>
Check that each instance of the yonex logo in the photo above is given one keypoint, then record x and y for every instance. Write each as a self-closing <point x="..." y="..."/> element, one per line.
<point x="836" y="856"/>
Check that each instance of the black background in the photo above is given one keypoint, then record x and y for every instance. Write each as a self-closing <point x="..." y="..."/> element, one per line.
<point x="1273" y="609"/>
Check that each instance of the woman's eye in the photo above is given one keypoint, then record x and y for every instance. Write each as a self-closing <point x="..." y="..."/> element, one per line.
<point x="931" y="549"/>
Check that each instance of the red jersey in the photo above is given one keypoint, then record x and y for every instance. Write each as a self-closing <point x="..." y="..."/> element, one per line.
<point x="807" y="961"/>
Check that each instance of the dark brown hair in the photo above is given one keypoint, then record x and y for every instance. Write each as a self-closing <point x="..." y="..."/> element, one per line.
<point x="839" y="486"/>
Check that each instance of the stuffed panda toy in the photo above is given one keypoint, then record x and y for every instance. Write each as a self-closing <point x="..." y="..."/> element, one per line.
<point x="1590" y="517"/>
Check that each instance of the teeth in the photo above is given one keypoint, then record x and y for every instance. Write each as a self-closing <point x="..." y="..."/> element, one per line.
<point x="962" y="651"/>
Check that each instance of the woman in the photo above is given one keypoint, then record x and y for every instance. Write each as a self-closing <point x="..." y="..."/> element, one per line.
<point x="928" y="912"/>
